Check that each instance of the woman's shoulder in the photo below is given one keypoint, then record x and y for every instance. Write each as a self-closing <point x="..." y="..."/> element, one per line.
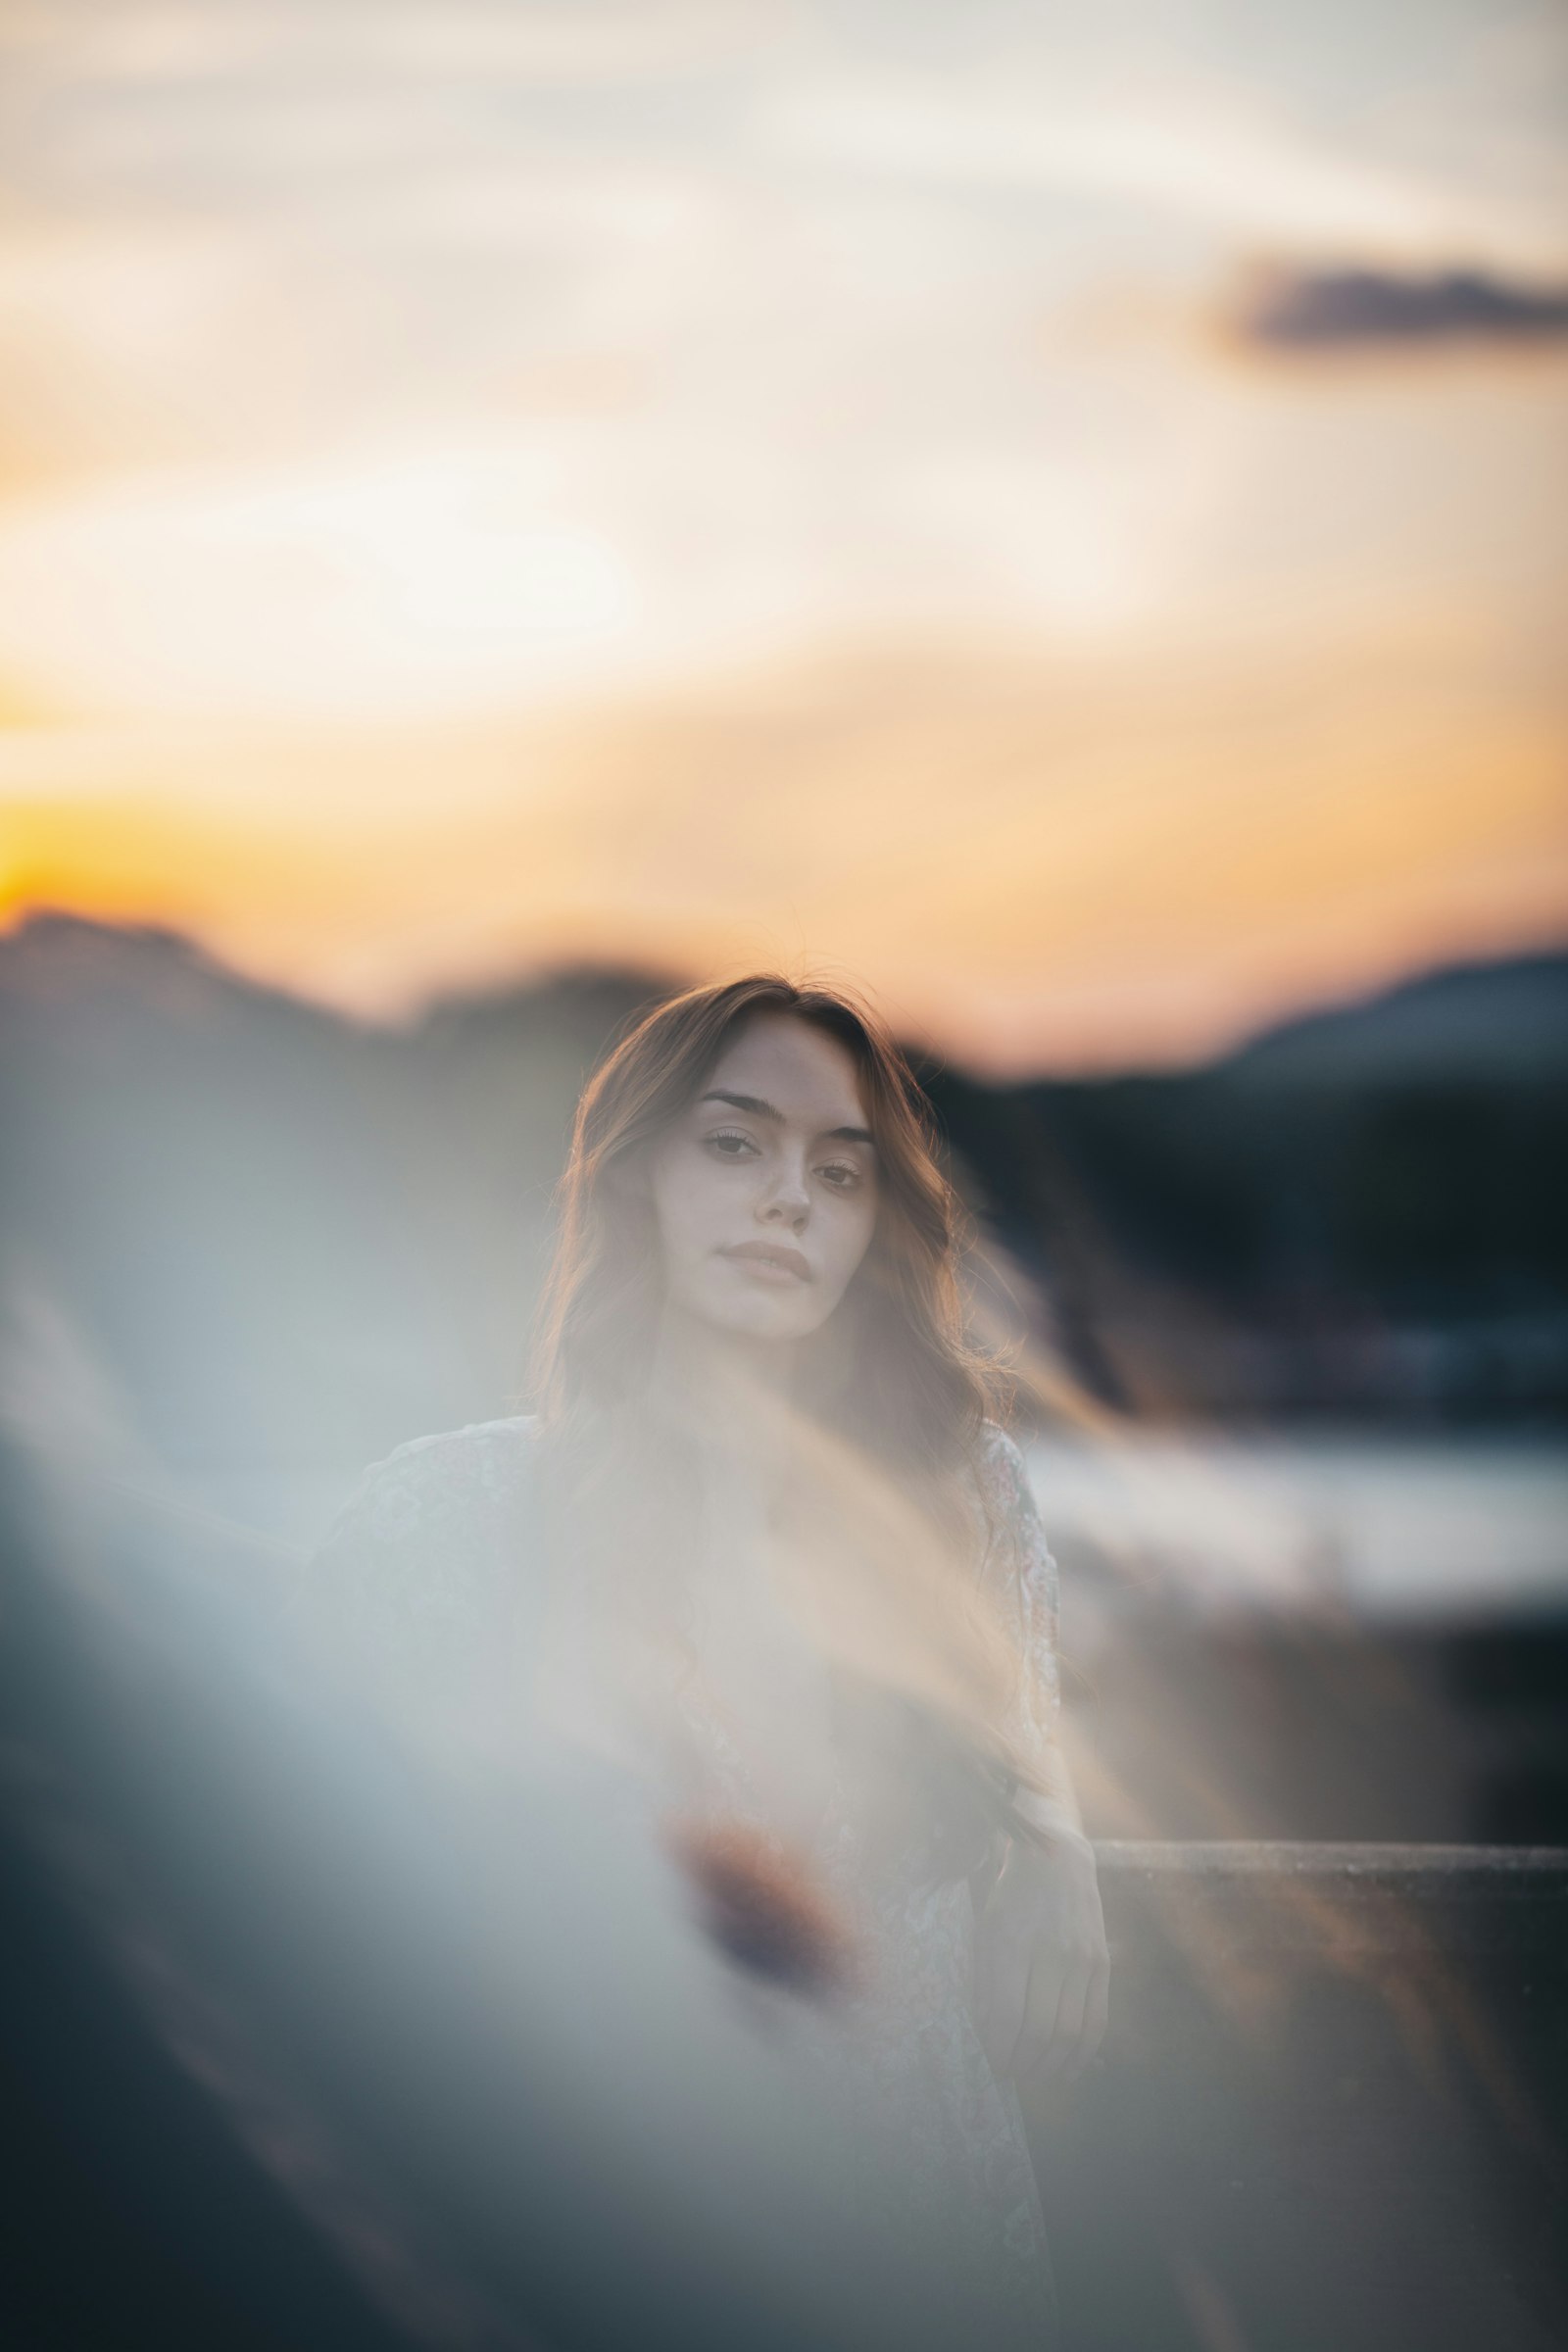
<point x="473" y="1440"/>
<point x="995" y="1440"/>
<point x="433" y="1523"/>
<point x="483" y="1461"/>
<point x="1032" y="1580"/>
<point x="1000" y="1463"/>
<point x="480" y="1454"/>
<point x="1010" y="1498"/>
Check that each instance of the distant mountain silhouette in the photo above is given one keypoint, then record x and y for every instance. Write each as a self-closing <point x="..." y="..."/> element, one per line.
<point x="270" y="1234"/>
<point x="1361" y="1209"/>
<point x="1470" y="1021"/>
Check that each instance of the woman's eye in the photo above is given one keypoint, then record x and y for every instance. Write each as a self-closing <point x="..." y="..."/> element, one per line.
<point x="719" y="1142"/>
<point x="844" y="1180"/>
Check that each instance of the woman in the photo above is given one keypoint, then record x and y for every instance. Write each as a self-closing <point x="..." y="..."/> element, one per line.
<point x="794" y="1580"/>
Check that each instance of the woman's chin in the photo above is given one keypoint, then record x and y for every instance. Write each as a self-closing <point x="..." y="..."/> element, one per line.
<point x="760" y="1315"/>
<point x="761" y="1324"/>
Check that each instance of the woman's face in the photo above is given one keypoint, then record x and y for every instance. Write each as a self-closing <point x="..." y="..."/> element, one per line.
<point x="764" y="1189"/>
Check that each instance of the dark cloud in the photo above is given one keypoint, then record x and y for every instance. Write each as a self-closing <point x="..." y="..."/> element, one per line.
<point x="1283" y="311"/>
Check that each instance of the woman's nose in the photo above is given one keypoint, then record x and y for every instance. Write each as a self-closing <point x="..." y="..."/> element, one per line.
<point x="787" y="1199"/>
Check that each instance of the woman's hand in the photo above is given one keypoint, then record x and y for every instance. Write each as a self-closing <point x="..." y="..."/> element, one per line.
<point x="1041" y="1966"/>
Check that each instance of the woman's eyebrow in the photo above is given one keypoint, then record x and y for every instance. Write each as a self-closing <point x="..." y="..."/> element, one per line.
<point x="752" y="1102"/>
<point x="765" y="1111"/>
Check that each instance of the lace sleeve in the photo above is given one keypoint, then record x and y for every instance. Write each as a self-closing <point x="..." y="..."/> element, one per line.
<point x="409" y="1574"/>
<point x="1028" y="1587"/>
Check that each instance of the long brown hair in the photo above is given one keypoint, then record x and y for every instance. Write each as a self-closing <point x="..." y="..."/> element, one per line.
<point x="893" y="1397"/>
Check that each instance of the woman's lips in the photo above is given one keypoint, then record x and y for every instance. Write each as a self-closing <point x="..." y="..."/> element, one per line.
<point x="773" y="1262"/>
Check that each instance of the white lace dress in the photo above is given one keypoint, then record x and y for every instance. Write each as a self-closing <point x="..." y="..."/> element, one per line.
<point x="418" y="1564"/>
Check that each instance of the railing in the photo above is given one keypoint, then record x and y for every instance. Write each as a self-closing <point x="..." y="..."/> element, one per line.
<point x="1331" y="2109"/>
<point x="1323" y="1899"/>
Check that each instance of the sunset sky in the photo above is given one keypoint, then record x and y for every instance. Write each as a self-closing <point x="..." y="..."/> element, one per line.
<point x="1059" y="515"/>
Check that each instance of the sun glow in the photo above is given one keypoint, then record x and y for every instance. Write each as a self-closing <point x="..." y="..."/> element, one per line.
<point x="403" y="584"/>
